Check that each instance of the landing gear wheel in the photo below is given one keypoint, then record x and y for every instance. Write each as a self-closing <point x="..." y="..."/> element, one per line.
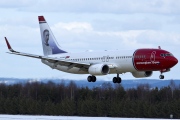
<point x="116" y="80"/>
<point x="161" y="77"/>
<point x="91" y="78"/>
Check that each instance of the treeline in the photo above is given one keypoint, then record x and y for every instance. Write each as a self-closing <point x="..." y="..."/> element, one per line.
<point x="106" y="100"/>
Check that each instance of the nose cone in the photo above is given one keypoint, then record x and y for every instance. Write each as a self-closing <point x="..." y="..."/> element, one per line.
<point x="173" y="61"/>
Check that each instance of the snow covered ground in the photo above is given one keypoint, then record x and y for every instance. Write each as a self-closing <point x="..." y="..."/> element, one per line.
<point x="31" y="117"/>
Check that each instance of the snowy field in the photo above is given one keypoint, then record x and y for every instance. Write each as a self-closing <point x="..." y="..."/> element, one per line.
<point x="29" y="117"/>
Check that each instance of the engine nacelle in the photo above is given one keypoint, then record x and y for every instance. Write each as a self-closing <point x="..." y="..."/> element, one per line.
<point x="98" y="69"/>
<point x="142" y="74"/>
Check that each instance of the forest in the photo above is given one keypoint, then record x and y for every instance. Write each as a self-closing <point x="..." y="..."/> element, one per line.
<point x="106" y="100"/>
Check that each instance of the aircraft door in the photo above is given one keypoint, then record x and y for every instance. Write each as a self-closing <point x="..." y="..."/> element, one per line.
<point x="105" y="59"/>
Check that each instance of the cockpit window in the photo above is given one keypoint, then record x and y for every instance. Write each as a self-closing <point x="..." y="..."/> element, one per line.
<point x="166" y="54"/>
<point x="162" y="55"/>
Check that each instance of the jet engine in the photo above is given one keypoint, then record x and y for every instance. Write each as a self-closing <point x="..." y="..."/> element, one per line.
<point x="98" y="69"/>
<point x="142" y="74"/>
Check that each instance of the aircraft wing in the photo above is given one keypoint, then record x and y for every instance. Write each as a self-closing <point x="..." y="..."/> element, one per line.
<point x="57" y="61"/>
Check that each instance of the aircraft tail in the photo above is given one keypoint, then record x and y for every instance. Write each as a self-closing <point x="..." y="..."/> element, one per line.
<point x="49" y="43"/>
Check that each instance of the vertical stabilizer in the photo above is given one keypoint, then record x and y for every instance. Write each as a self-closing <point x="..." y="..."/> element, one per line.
<point x="49" y="43"/>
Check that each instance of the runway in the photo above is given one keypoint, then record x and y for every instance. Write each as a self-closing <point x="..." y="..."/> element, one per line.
<point x="38" y="117"/>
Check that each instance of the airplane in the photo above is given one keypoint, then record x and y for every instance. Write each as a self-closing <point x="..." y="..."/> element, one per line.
<point x="140" y="62"/>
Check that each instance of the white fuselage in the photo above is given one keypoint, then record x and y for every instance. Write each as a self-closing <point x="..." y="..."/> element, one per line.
<point x="118" y="61"/>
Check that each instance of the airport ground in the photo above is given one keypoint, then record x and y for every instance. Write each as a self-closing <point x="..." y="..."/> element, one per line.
<point x="30" y="117"/>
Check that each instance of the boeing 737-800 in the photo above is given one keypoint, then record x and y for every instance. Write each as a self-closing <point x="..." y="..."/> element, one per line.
<point x="140" y="62"/>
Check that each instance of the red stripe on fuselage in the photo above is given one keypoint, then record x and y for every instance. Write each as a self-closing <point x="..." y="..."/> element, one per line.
<point x="151" y="60"/>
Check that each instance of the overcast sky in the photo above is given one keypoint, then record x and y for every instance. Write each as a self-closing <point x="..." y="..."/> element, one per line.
<point x="81" y="25"/>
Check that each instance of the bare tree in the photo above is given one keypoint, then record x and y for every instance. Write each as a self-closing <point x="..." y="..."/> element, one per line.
<point x="172" y="86"/>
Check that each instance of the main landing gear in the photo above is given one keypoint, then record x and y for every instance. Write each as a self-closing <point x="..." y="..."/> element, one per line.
<point x="117" y="79"/>
<point x="91" y="78"/>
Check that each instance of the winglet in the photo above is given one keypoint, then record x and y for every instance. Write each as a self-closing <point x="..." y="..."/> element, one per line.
<point x="8" y="45"/>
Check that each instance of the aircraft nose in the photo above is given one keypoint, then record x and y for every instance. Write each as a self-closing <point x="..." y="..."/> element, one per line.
<point x="173" y="61"/>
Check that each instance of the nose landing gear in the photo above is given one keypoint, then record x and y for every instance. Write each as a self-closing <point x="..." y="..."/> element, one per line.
<point x="163" y="71"/>
<point x="161" y="76"/>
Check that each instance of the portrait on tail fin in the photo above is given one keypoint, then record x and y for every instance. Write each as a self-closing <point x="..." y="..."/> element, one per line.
<point x="46" y="37"/>
<point x="50" y="45"/>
